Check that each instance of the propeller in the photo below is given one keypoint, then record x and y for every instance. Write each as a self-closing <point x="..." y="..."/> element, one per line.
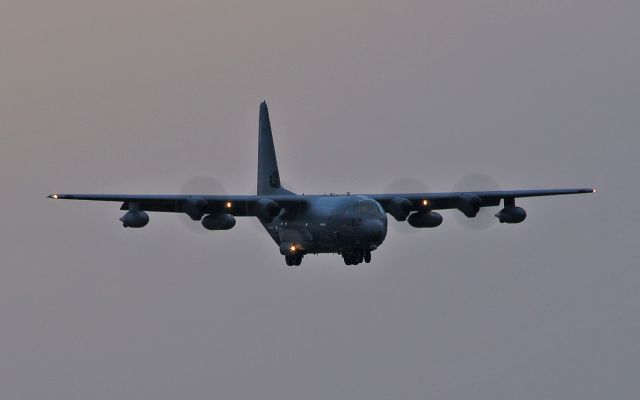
<point x="476" y="182"/>
<point x="405" y="184"/>
<point x="253" y="221"/>
<point x="200" y="185"/>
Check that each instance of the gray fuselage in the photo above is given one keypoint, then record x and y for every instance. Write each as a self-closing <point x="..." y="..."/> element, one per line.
<point x="330" y="224"/>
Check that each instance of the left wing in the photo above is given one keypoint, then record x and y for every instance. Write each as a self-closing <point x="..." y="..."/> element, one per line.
<point x="196" y="206"/>
<point x="399" y="205"/>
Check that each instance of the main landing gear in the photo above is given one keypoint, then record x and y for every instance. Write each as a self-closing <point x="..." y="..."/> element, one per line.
<point x="352" y="257"/>
<point x="355" y="257"/>
<point x="293" y="259"/>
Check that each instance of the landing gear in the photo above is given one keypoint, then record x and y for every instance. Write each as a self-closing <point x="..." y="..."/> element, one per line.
<point x="293" y="259"/>
<point x="355" y="257"/>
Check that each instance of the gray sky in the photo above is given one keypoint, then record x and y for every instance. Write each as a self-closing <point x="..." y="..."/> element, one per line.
<point x="140" y="96"/>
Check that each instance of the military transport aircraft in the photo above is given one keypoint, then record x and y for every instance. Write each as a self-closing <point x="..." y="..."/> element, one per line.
<point x="352" y="225"/>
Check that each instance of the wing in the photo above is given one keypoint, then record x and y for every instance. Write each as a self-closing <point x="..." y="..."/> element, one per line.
<point x="197" y="205"/>
<point x="401" y="204"/>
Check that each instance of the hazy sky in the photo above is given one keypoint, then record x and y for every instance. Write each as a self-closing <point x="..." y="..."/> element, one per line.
<point x="141" y="96"/>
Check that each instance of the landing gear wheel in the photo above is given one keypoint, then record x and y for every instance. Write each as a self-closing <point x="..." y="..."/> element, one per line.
<point x="346" y="258"/>
<point x="294" y="259"/>
<point x="367" y="256"/>
<point x="353" y="257"/>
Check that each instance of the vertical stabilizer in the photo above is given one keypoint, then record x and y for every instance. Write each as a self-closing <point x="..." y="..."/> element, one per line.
<point x="268" y="175"/>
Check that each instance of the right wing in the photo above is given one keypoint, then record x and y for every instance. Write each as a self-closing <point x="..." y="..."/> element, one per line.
<point x="399" y="205"/>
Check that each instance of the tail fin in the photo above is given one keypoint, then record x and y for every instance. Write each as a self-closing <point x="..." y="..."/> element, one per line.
<point x="268" y="175"/>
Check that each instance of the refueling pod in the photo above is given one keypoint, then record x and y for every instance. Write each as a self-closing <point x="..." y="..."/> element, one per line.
<point x="135" y="219"/>
<point x="511" y="215"/>
<point x="218" y="222"/>
<point x="425" y="219"/>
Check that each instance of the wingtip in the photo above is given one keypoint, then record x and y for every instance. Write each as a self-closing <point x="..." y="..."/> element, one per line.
<point x="53" y="196"/>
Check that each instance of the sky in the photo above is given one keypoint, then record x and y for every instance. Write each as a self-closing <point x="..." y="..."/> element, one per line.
<point x="142" y="97"/>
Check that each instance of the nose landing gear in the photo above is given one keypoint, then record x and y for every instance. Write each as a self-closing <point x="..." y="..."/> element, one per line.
<point x="355" y="257"/>
<point x="293" y="259"/>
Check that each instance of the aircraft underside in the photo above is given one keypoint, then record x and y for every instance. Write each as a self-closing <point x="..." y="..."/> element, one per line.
<point x="350" y="225"/>
<point x="337" y="224"/>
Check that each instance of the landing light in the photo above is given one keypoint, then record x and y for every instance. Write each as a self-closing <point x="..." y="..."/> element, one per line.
<point x="54" y="196"/>
<point x="228" y="204"/>
<point x="425" y="202"/>
<point x="292" y="248"/>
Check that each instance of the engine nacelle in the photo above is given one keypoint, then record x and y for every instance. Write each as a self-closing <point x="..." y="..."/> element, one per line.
<point x="267" y="209"/>
<point x="399" y="208"/>
<point x="511" y="215"/>
<point x="218" y="222"/>
<point x="469" y="204"/>
<point x="135" y="219"/>
<point x="425" y="219"/>
<point x="195" y="207"/>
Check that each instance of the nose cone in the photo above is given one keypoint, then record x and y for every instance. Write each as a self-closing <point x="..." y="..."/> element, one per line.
<point x="374" y="230"/>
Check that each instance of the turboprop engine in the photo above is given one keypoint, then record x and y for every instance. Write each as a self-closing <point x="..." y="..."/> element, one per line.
<point x="195" y="207"/>
<point x="218" y="222"/>
<point x="469" y="204"/>
<point x="267" y="209"/>
<point x="399" y="208"/>
<point x="135" y="219"/>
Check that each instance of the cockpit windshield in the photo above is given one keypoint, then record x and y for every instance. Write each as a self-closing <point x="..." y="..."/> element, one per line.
<point x="363" y="208"/>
